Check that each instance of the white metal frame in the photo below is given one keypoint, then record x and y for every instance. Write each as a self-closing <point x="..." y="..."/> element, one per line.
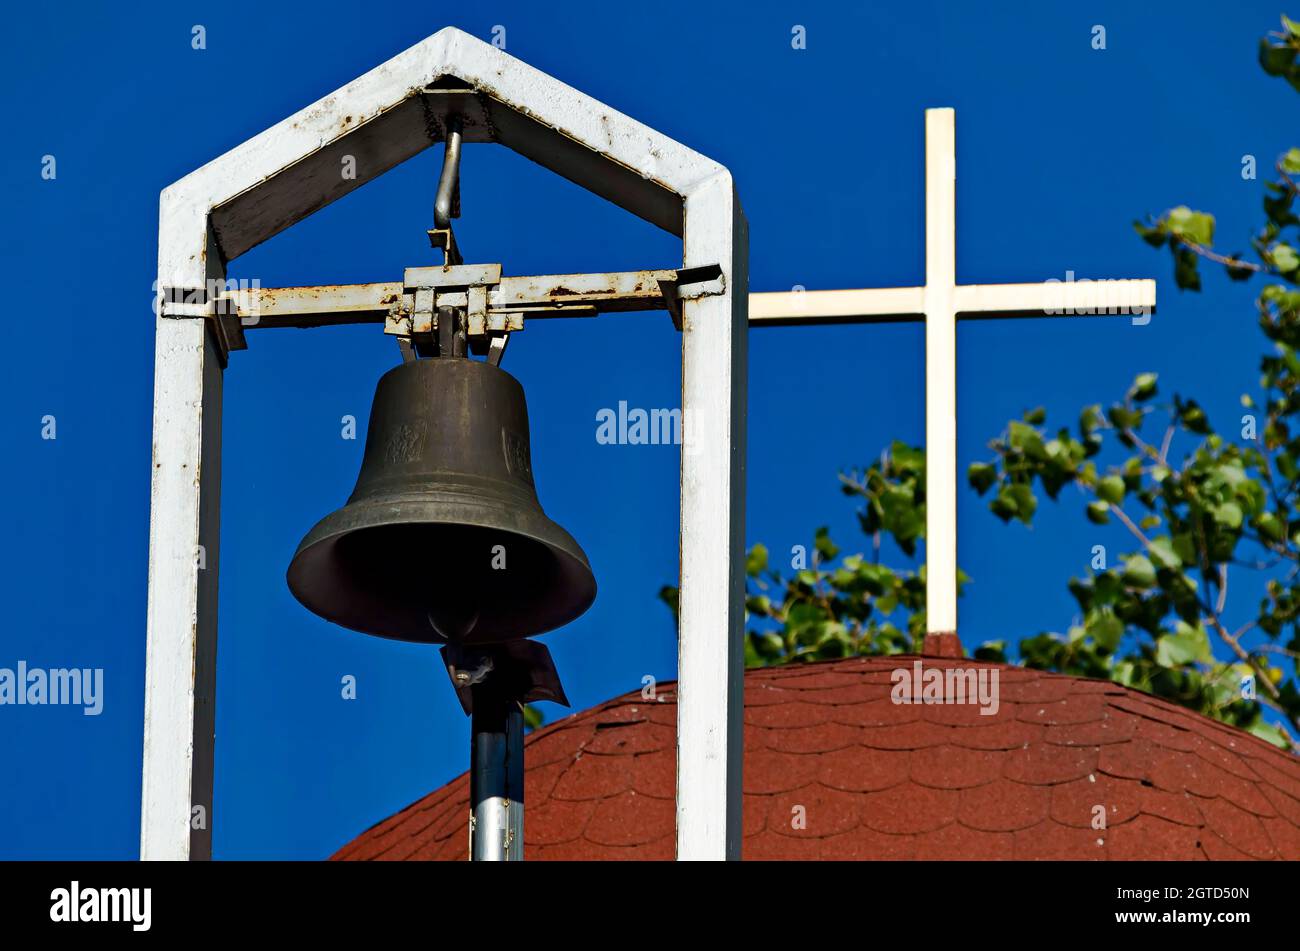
<point x="292" y="170"/>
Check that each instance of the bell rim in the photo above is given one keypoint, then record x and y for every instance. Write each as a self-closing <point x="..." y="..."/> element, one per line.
<point x="451" y="509"/>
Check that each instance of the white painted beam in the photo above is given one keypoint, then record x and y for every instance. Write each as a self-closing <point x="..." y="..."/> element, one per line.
<point x="1101" y="298"/>
<point x="184" y="543"/>
<point x="940" y="371"/>
<point x="1083" y="298"/>
<point x="849" y="306"/>
<point x="710" y="650"/>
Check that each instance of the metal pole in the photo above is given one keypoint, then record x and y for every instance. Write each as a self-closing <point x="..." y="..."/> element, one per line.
<point x="496" y="777"/>
<point x="493" y="683"/>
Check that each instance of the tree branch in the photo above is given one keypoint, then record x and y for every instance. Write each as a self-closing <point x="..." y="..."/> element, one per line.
<point x="1225" y="260"/>
<point x="1242" y="655"/>
<point x="1128" y="522"/>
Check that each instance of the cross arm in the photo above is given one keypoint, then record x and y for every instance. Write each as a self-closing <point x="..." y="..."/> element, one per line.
<point x="970" y="301"/>
<point x="1105" y="298"/>
<point x="877" y="305"/>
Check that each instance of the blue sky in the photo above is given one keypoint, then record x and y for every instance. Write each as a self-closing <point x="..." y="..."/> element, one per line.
<point x="1060" y="146"/>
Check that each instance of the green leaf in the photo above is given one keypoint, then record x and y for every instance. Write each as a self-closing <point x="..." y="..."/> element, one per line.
<point x="1275" y="60"/>
<point x="1228" y="515"/>
<point x="1291" y="162"/>
<point x="533" y="717"/>
<point x="1270" y="733"/>
<point x="1025" y="438"/>
<point x="1099" y="512"/>
<point x="1015" y="501"/>
<point x="1186" y="273"/>
<point x="1163" y="552"/>
<point x="668" y="594"/>
<point x="1270" y="526"/>
<point x="1189" y="645"/>
<point x="1089" y="419"/>
<point x="756" y="560"/>
<point x="1199" y="636"/>
<point x="1122" y="417"/>
<point x="1106" y="631"/>
<point x="767" y="645"/>
<point x="1144" y="387"/>
<point x="1193" y="417"/>
<point x="1154" y="235"/>
<point x="981" y="476"/>
<point x="1284" y="257"/>
<point x="906" y="459"/>
<point x="1111" y="489"/>
<point x="825" y="547"/>
<point x="1175" y="650"/>
<point x="1238" y="272"/>
<point x="1139" y="572"/>
<point x="1196" y="226"/>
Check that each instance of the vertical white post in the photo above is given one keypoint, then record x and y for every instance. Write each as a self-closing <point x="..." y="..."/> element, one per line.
<point x="180" y="674"/>
<point x="710" y="650"/>
<point x="940" y="371"/>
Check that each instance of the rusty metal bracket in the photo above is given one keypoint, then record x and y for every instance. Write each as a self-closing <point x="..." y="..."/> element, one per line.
<point x="704" y="281"/>
<point x="669" y="288"/>
<point x="494" y="306"/>
<point x="428" y="292"/>
<point x="222" y="311"/>
<point x="444" y="240"/>
<point x="227" y="327"/>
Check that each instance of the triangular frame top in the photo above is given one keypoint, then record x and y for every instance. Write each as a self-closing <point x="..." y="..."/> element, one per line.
<point x="398" y="109"/>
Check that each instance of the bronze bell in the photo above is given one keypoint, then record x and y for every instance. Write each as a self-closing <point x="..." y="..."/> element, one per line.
<point x="443" y="539"/>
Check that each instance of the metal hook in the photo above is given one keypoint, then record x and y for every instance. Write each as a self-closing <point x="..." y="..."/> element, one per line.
<point x="444" y="204"/>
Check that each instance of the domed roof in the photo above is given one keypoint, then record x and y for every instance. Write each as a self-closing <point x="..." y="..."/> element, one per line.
<point x="835" y="769"/>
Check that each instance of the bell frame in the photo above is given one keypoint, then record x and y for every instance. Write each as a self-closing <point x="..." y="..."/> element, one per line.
<point x="290" y="171"/>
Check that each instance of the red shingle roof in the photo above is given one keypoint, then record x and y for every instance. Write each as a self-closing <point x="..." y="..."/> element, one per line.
<point x="880" y="780"/>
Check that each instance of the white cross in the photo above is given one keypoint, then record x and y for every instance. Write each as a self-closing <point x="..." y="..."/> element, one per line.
<point x="940" y="303"/>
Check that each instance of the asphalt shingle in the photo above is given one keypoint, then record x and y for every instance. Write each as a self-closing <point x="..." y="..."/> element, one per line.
<point x="834" y="769"/>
